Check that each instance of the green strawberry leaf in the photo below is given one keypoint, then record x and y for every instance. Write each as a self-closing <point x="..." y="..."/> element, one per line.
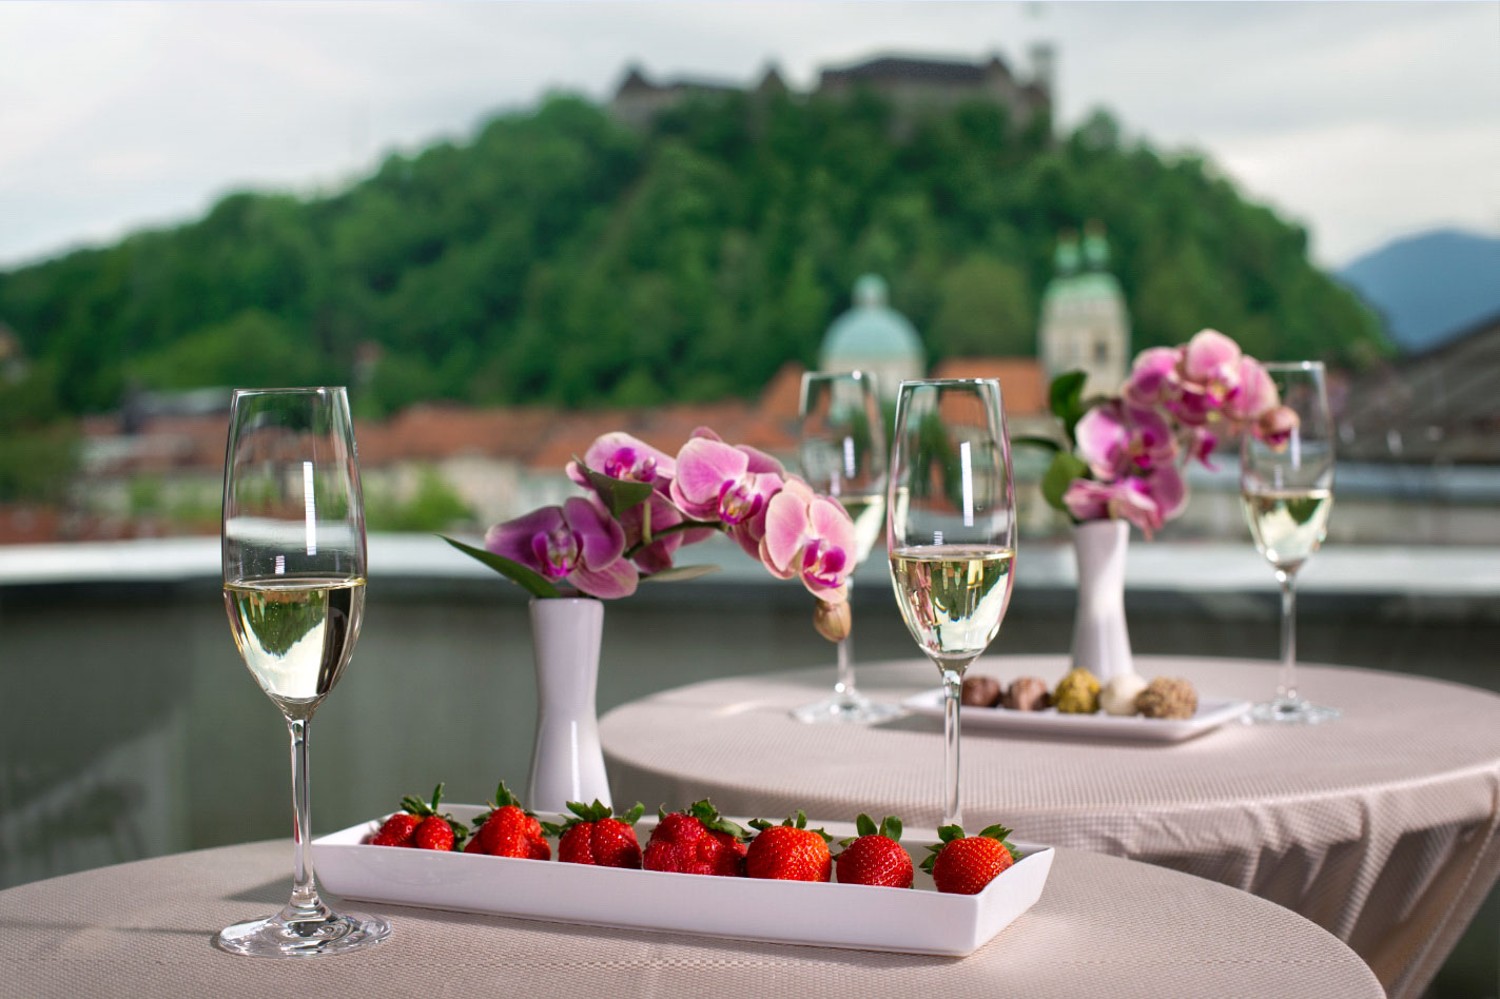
<point x="865" y="825"/>
<point x="890" y="828"/>
<point x="504" y="797"/>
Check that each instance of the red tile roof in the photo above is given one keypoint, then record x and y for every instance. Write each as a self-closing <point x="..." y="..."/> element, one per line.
<point x="1022" y="381"/>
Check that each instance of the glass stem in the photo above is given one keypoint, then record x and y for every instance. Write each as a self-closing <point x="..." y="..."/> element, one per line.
<point x="1286" y="690"/>
<point x="305" y="903"/>
<point x="952" y="688"/>
<point x="844" y="688"/>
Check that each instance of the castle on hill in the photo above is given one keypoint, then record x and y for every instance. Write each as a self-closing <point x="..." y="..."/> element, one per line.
<point x="914" y="85"/>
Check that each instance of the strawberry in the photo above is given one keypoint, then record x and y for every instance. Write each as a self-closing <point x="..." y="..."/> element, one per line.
<point x="876" y="857"/>
<point x="595" y="836"/>
<point x="508" y="830"/>
<point x="396" y="830"/>
<point x="420" y="825"/>
<point x="789" y="852"/>
<point x="697" y="841"/>
<point x="963" y="865"/>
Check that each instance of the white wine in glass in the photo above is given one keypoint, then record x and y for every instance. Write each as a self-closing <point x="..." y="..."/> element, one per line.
<point x="1287" y="492"/>
<point x="843" y="453"/>
<point x="951" y="534"/>
<point x="293" y="552"/>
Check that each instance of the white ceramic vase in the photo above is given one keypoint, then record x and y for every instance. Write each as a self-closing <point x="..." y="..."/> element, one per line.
<point x="567" y="763"/>
<point x="1101" y="639"/>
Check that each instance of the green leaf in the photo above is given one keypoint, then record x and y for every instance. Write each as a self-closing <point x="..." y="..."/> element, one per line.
<point x="1066" y="397"/>
<point x="865" y="825"/>
<point x="618" y="494"/>
<point x="890" y="828"/>
<point x="1060" y="474"/>
<point x="680" y="572"/>
<point x="529" y="580"/>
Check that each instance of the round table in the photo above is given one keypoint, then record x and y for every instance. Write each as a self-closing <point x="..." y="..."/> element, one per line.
<point x="1103" y="927"/>
<point x="1383" y="827"/>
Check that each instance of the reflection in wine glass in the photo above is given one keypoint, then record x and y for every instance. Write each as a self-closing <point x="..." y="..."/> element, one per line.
<point x="293" y="548"/>
<point x="842" y="449"/>
<point x="1287" y="491"/>
<point x="951" y="534"/>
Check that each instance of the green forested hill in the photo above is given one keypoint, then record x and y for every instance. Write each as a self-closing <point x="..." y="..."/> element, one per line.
<point x="559" y="257"/>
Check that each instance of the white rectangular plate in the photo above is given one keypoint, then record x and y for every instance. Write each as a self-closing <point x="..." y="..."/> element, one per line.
<point x="917" y="921"/>
<point x="1210" y="715"/>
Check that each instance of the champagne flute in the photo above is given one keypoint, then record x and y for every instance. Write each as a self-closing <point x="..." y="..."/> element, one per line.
<point x="294" y="586"/>
<point x="951" y="534"/>
<point x="1287" y="492"/>
<point x="843" y="453"/>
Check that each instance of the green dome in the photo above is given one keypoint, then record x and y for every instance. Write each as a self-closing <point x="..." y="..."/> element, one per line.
<point x="1083" y="288"/>
<point x="870" y="331"/>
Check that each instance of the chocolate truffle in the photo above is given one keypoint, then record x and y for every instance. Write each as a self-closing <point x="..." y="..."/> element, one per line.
<point x="1168" y="697"/>
<point x="1027" y="693"/>
<point x="1119" y="694"/>
<point x="1077" y="693"/>
<point x="980" y="691"/>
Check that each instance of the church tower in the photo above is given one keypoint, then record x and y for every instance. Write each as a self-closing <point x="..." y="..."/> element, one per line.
<point x="1085" y="325"/>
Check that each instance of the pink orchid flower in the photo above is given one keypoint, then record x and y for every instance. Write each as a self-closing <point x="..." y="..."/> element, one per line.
<point x="1200" y="442"/>
<point x="715" y="481"/>
<point x="621" y="456"/>
<point x="1257" y="393"/>
<point x="812" y="537"/>
<point x="1154" y="378"/>
<point x="1146" y="501"/>
<point x="1115" y="439"/>
<point x="576" y="543"/>
<point x="1210" y="375"/>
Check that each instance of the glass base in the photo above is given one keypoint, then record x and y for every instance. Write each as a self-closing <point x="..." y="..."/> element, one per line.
<point x="850" y="708"/>
<point x="1289" y="711"/>
<point x="282" y="935"/>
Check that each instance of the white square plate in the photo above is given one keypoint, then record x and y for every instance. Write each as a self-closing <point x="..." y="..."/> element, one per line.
<point x="918" y="921"/>
<point x="1212" y="712"/>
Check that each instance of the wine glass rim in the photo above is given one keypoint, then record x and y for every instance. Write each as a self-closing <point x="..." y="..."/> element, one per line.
<point x="856" y="374"/>
<point x="291" y="390"/>
<point x="1292" y="365"/>
<point x="939" y="382"/>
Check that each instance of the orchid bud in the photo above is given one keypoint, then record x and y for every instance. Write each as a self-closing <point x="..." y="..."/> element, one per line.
<point x="833" y="621"/>
<point x="1277" y="425"/>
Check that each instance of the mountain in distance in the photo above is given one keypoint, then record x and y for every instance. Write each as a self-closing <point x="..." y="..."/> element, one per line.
<point x="1431" y="286"/>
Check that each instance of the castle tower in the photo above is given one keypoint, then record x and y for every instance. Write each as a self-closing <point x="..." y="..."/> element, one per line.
<point x="1085" y="325"/>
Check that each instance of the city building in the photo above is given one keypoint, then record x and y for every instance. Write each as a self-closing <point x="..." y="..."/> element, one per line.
<point x="873" y="337"/>
<point x="914" y="86"/>
<point x="1085" y="324"/>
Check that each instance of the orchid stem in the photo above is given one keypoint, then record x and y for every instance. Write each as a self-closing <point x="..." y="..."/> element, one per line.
<point x="686" y="525"/>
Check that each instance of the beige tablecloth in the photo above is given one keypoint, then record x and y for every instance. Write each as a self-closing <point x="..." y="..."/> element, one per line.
<point x="1380" y="827"/>
<point x="1103" y="928"/>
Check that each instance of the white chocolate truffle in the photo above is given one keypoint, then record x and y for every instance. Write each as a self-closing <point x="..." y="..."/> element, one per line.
<point x="1119" y="694"/>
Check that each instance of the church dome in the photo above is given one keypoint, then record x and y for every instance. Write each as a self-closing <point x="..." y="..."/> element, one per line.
<point x="870" y="331"/>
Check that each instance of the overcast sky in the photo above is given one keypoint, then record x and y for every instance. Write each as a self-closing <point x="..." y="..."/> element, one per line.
<point x="1364" y="122"/>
